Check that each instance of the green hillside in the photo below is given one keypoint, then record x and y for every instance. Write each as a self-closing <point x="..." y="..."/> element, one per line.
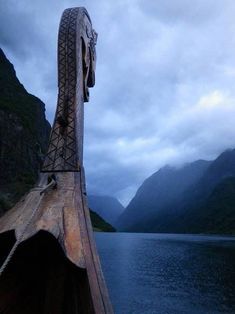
<point x="99" y="224"/>
<point x="217" y="215"/>
<point x="196" y="198"/>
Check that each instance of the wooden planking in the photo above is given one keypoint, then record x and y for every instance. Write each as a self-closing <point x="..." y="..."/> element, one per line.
<point x="98" y="287"/>
<point x="56" y="214"/>
<point x="64" y="214"/>
<point x="41" y="280"/>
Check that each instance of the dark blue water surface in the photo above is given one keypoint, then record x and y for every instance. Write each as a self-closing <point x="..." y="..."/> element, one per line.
<point x="163" y="273"/>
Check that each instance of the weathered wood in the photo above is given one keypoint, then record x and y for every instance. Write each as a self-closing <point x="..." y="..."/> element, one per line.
<point x="56" y="268"/>
<point x="40" y="279"/>
<point x="56" y="214"/>
<point x="76" y="73"/>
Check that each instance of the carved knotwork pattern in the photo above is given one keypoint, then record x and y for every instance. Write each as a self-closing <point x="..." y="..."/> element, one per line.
<point x="62" y="153"/>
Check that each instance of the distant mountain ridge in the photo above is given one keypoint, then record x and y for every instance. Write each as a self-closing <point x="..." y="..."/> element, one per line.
<point x="182" y="200"/>
<point x="109" y="208"/>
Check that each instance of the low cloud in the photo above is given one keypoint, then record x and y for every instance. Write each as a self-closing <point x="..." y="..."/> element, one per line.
<point x="165" y="81"/>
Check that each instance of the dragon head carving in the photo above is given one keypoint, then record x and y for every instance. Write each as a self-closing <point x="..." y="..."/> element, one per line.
<point x="89" y="60"/>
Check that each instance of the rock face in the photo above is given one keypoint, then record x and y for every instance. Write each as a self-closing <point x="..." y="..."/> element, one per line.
<point x="109" y="208"/>
<point x="198" y="198"/>
<point x="24" y="133"/>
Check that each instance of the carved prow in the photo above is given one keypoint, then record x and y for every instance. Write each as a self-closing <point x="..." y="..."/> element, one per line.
<point x="76" y="73"/>
<point x="60" y="224"/>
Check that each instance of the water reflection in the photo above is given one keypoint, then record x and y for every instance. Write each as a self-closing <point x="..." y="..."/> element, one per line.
<point x="152" y="273"/>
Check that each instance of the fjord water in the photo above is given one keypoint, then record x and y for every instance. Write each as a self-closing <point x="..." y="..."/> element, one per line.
<point x="168" y="274"/>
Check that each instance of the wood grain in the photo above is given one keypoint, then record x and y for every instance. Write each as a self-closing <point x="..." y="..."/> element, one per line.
<point x="56" y="267"/>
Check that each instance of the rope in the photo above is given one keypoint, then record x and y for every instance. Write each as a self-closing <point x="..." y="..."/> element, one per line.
<point x="18" y="241"/>
<point x="51" y="184"/>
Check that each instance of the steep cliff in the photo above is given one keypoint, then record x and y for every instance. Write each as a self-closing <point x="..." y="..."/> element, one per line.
<point x="165" y="187"/>
<point x="24" y="133"/>
<point x="169" y="202"/>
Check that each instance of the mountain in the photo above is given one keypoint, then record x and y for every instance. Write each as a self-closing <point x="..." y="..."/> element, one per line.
<point x="107" y="207"/>
<point x="163" y="188"/>
<point x="24" y="133"/>
<point x="216" y="214"/>
<point x="222" y="167"/>
<point x="99" y="224"/>
<point x="196" y="214"/>
<point x="206" y="205"/>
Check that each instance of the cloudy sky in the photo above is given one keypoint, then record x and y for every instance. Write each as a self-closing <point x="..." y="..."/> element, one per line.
<point x="165" y="89"/>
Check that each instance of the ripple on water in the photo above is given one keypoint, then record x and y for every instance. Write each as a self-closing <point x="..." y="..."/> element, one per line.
<point x="162" y="273"/>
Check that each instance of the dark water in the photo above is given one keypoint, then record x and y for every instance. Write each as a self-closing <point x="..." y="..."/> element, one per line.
<point x="168" y="274"/>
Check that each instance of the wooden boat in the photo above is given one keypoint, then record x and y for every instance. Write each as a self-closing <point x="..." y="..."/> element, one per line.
<point x="53" y="265"/>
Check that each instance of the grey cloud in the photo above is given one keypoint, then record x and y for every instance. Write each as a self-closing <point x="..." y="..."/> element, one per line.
<point x="156" y="61"/>
<point x="18" y="31"/>
<point x="184" y="11"/>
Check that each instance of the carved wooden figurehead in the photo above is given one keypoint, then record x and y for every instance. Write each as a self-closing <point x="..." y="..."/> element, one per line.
<point x="76" y="73"/>
<point x="48" y="257"/>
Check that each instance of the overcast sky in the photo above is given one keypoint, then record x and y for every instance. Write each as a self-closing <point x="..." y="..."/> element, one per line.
<point x="165" y="81"/>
